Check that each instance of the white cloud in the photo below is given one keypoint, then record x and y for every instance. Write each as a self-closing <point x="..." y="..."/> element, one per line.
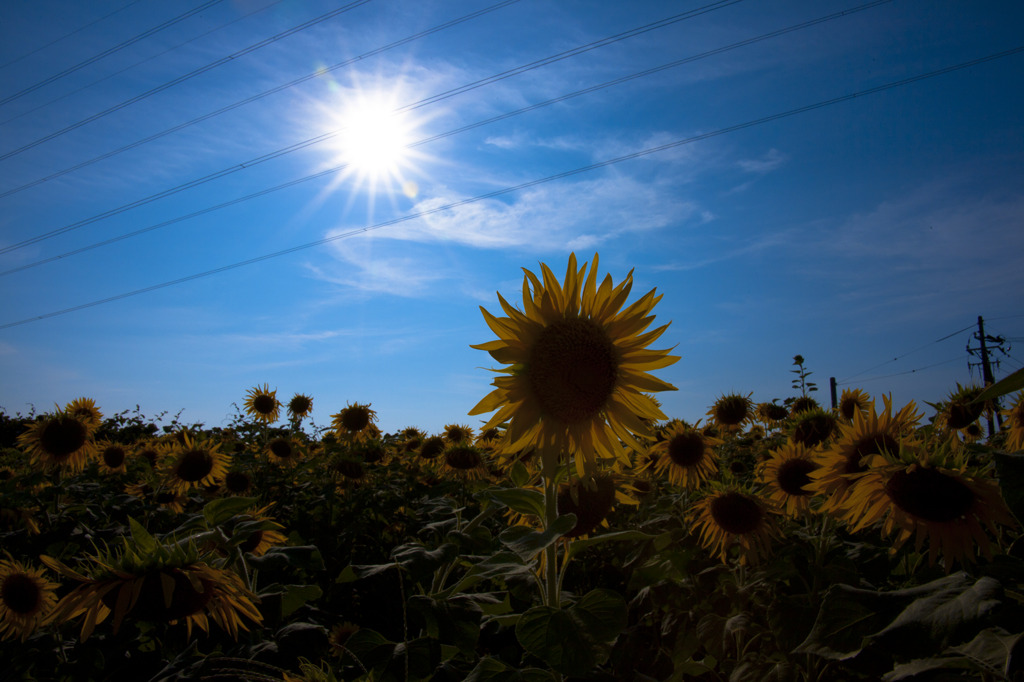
<point x="767" y="163"/>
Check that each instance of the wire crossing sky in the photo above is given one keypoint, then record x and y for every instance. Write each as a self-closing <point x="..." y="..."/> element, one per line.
<point x="839" y="180"/>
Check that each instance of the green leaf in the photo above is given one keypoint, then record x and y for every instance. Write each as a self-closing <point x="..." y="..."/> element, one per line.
<point x="305" y="557"/>
<point x="521" y="500"/>
<point x="1010" y="470"/>
<point x="989" y="653"/>
<point x="578" y="546"/>
<point x="553" y="636"/>
<point x="419" y="560"/>
<point x="492" y="670"/>
<point x="519" y="474"/>
<point x="503" y="566"/>
<point x="1007" y="384"/>
<point x="220" y="510"/>
<point x="297" y="595"/>
<point x="145" y="544"/>
<point x="451" y="621"/>
<point x="601" y="614"/>
<point x="528" y="543"/>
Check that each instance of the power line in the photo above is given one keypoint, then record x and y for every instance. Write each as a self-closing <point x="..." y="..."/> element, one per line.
<point x="67" y="35"/>
<point x="132" y="66"/>
<point x="433" y="138"/>
<point x="249" y="100"/>
<point x="532" y="183"/>
<point x="110" y="51"/>
<point x="911" y="371"/>
<point x="191" y="74"/>
<point x="898" y="357"/>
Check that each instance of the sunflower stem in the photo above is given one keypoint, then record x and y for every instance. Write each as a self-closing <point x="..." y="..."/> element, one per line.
<point x="551" y="596"/>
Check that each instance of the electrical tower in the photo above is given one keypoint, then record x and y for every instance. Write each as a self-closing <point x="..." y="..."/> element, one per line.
<point x="986" y="345"/>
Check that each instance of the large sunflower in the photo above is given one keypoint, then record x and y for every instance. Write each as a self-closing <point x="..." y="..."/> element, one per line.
<point x="26" y="598"/>
<point x="730" y="517"/>
<point x="60" y="440"/>
<point x="852" y="401"/>
<point x="687" y="455"/>
<point x="1014" y="424"/>
<point x="946" y="508"/>
<point x="195" y="463"/>
<point x="356" y="421"/>
<point x="786" y="473"/>
<point x="577" y="367"/>
<point x="869" y="434"/>
<point x="731" y="411"/>
<point x="262" y="404"/>
<point x="300" y="406"/>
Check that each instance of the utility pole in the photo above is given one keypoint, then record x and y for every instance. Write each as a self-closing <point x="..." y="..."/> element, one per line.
<point x="986" y="366"/>
<point x="832" y="388"/>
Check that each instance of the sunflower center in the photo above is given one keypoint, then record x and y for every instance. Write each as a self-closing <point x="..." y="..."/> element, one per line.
<point x="349" y="468"/>
<point x="195" y="465"/>
<point x="300" y="404"/>
<point x="794" y="475"/>
<point x="963" y="414"/>
<point x="264" y="404"/>
<point x="236" y="481"/>
<point x="572" y="370"/>
<point x="113" y="456"/>
<point x="62" y="436"/>
<point x="686" y="449"/>
<point x="281" y="447"/>
<point x="20" y="593"/>
<point x="814" y="428"/>
<point x="252" y="542"/>
<point x="432" y="447"/>
<point x="736" y="513"/>
<point x="930" y="494"/>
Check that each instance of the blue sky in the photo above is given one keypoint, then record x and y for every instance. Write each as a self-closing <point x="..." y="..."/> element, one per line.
<point x="858" y="233"/>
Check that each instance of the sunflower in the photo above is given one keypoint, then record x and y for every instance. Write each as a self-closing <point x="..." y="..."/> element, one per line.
<point x="300" y="406"/>
<point x="771" y="414"/>
<point x="283" y="450"/>
<point x="802" y="404"/>
<point x="946" y="508"/>
<point x="111" y="456"/>
<point x="731" y="411"/>
<point x="687" y="454"/>
<point x="170" y="500"/>
<point x="339" y="636"/>
<point x="355" y="421"/>
<point x="730" y="517"/>
<point x="431" y="447"/>
<point x="154" y="581"/>
<point x="870" y="434"/>
<point x="457" y="433"/>
<point x="465" y="461"/>
<point x="85" y="410"/>
<point x="590" y="500"/>
<point x="960" y="411"/>
<point x="26" y="598"/>
<point x="264" y="532"/>
<point x="1014" y="424"/>
<point x="60" y="440"/>
<point x="852" y="401"/>
<point x="786" y="473"/>
<point x="813" y="426"/>
<point x="237" y="482"/>
<point x="577" y="367"/>
<point x="262" y="404"/>
<point x="149" y="450"/>
<point x="196" y="463"/>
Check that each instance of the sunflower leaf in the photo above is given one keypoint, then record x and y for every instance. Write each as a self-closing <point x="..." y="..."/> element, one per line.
<point x="145" y="543"/>
<point x="492" y="670"/>
<point x="220" y="510"/>
<point x="1008" y="384"/>
<point x="527" y="543"/>
<point x="297" y="595"/>
<point x="580" y="545"/>
<point x="989" y="653"/>
<point x="521" y="500"/>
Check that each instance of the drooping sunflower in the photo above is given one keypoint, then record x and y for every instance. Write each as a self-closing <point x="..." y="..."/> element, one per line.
<point x="947" y="508"/>
<point x="431" y="447"/>
<point x="85" y="410"/>
<point x="354" y="422"/>
<point x="729" y="517"/>
<point x="60" y="440"/>
<point x="149" y="450"/>
<point x="195" y="463"/>
<point x="155" y="581"/>
<point x="577" y="364"/>
<point x="264" y="532"/>
<point x="731" y="411"/>
<point x="1014" y="424"/>
<point x="851" y="401"/>
<point x="869" y="434"/>
<point x="300" y="406"/>
<point x="687" y="455"/>
<point x="26" y="598"/>
<point x="262" y="404"/>
<point x="814" y="426"/>
<point x="592" y="501"/>
<point x="786" y="473"/>
<point x="960" y="411"/>
<point x="111" y="457"/>
<point x="802" y="404"/>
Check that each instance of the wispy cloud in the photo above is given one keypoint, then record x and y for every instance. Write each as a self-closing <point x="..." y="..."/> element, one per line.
<point x="768" y="162"/>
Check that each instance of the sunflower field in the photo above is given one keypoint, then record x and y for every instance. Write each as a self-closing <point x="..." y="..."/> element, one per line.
<point x="576" y="532"/>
